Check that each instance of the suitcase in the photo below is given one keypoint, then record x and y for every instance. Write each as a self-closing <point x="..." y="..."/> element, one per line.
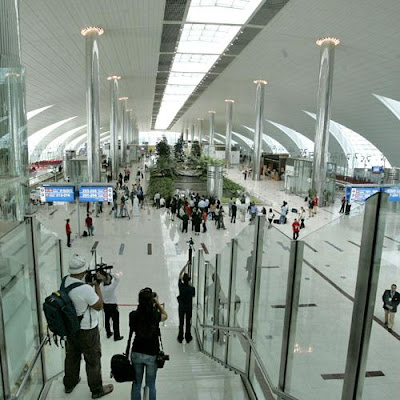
<point x="294" y="210"/>
<point x="276" y="221"/>
<point x="84" y="234"/>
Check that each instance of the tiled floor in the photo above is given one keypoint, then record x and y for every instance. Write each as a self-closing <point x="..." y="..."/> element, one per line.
<point x="328" y="280"/>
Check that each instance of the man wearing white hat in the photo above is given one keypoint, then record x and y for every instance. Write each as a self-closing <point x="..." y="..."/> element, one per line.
<point x="86" y="341"/>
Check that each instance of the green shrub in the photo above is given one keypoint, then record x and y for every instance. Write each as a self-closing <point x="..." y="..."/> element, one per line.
<point x="165" y="186"/>
<point x="232" y="187"/>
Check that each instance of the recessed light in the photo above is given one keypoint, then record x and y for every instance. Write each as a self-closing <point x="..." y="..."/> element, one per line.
<point x="92" y="29"/>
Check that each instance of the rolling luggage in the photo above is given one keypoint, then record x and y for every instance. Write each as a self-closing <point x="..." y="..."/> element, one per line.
<point x="294" y="210"/>
<point x="276" y="221"/>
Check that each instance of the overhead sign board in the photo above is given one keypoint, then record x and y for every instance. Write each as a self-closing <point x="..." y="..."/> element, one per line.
<point x="361" y="194"/>
<point x="57" y="193"/>
<point x="96" y="194"/>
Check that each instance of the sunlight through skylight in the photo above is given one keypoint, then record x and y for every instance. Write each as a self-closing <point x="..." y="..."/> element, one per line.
<point x="206" y="39"/>
<point x="184" y="78"/>
<point x="222" y="11"/>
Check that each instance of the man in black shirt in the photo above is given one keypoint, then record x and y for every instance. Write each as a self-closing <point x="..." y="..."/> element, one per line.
<point x="186" y="294"/>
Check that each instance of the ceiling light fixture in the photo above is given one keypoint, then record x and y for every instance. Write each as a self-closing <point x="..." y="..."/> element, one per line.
<point x="114" y="77"/>
<point x="123" y="98"/>
<point x="92" y="29"/>
<point x="334" y="40"/>
<point x="264" y="82"/>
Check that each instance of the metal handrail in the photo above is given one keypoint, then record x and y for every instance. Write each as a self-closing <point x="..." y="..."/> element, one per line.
<point x="29" y="371"/>
<point x="252" y="345"/>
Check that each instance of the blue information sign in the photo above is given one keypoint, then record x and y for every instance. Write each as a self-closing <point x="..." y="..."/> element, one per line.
<point x="57" y="193"/>
<point x="361" y="194"/>
<point x="96" y="194"/>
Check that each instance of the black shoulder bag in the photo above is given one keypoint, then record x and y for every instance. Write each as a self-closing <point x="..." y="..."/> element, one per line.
<point x="161" y="356"/>
<point x="121" y="368"/>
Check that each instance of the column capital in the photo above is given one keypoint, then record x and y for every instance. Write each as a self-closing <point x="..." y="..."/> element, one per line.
<point x="262" y="81"/>
<point x="123" y="98"/>
<point x="113" y="78"/>
<point x="229" y="101"/>
<point x="327" y="39"/>
<point x="212" y="112"/>
<point x="92" y="29"/>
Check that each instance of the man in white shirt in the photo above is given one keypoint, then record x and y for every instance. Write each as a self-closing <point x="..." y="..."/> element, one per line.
<point x="108" y="287"/>
<point x="88" y="302"/>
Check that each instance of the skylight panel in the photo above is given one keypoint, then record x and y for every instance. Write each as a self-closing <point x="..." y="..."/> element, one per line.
<point x="178" y="90"/>
<point x="31" y="114"/>
<point x="206" y="39"/>
<point x="182" y="78"/>
<point x="193" y="62"/>
<point x="222" y="11"/>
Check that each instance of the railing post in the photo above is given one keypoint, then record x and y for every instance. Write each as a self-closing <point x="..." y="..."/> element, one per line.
<point x="59" y="261"/>
<point x="231" y="318"/>
<point x="199" y="257"/>
<point x="3" y="353"/>
<point x="255" y="281"/>
<point x="205" y="306"/>
<point x="217" y="293"/>
<point x="365" y="295"/>
<point x="292" y="306"/>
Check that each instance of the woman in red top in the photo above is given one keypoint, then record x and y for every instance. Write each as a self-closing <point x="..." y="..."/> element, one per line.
<point x="204" y="219"/>
<point x="68" y="232"/>
<point x="315" y="204"/>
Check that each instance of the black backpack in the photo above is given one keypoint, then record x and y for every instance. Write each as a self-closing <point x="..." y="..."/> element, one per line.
<point x="60" y="312"/>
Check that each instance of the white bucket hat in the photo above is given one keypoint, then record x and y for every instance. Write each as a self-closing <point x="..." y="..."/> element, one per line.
<point x="77" y="265"/>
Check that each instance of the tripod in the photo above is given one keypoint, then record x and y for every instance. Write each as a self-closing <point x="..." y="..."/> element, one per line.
<point x="190" y="256"/>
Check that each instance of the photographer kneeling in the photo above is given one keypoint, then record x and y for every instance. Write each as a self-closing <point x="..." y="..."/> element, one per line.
<point x="144" y="322"/>
<point x="86" y="341"/>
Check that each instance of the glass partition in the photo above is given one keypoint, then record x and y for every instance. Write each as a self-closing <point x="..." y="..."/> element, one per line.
<point x="237" y="351"/>
<point x="200" y="287"/>
<point x="19" y="305"/>
<point x="48" y="257"/>
<point x="322" y="327"/>
<point x="383" y="351"/>
<point x="224" y="268"/>
<point x="269" y="319"/>
<point x="209" y="301"/>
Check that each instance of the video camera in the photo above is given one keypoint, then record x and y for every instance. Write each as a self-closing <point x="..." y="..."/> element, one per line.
<point x="102" y="268"/>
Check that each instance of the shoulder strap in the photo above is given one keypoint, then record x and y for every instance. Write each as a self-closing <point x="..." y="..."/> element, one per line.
<point x="70" y="287"/>
<point x="160" y="339"/>
<point x="128" y="345"/>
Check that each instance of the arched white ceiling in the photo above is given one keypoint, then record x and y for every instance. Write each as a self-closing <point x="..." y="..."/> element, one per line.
<point x="273" y="144"/>
<point x="391" y="104"/>
<point x="304" y="144"/>
<point x="36" y="137"/>
<point x="31" y="114"/>
<point x="354" y="144"/>
<point x="61" y="140"/>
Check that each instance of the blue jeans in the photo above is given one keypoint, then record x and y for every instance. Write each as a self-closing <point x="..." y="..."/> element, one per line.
<point x="139" y="361"/>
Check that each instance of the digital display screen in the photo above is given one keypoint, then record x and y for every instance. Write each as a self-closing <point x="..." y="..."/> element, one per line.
<point x="377" y="170"/>
<point x="96" y="194"/>
<point x="57" y="193"/>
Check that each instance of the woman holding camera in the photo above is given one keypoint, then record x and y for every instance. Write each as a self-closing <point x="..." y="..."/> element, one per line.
<point x="144" y="322"/>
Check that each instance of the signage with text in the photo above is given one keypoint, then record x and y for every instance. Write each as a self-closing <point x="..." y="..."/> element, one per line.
<point x="361" y="194"/>
<point x="96" y="194"/>
<point x="57" y="193"/>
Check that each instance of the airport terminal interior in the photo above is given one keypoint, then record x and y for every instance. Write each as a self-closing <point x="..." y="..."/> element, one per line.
<point x="252" y="144"/>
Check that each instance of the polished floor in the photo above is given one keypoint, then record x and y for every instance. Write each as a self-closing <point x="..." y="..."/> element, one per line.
<point x="150" y="250"/>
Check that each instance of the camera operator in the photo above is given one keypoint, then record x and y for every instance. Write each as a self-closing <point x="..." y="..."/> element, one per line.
<point x="144" y="322"/>
<point x="108" y="287"/>
<point x="87" y="301"/>
<point x="185" y="300"/>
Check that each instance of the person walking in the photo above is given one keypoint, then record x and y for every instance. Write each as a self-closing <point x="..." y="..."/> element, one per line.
<point x="296" y="229"/>
<point x="68" y="232"/>
<point x="310" y="207"/>
<point x="144" y="323"/>
<point x="233" y="213"/>
<point x="302" y="216"/>
<point x="341" y="211"/>
<point x="270" y="217"/>
<point x="204" y="216"/>
<point x="284" y="211"/>
<point x="196" y="222"/>
<point x="185" y="300"/>
<point x="86" y="341"/>
<point x="185" y="222"/>
<point x="315" y="204"/>
<point x="391" y="299"/>
<point x="89" y="224"/>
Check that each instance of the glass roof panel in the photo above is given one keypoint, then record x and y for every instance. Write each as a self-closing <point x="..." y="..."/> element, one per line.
<point x="193" y="62"/>
<point x="178" y="89"/>
<point x="182" y="78"/>
<point x="222" y="11"/>
<point x="31" y="114"/>
<point x="206" y="39"/>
